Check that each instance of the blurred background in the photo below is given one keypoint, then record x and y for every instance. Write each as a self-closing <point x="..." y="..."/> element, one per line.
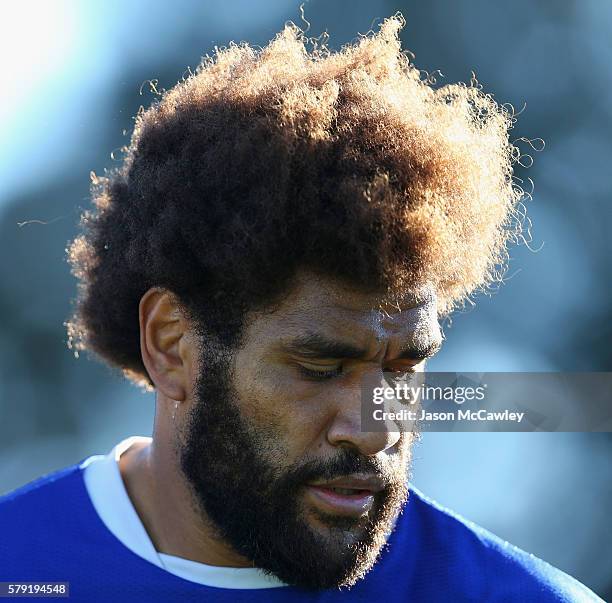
<point x="73" y="75"/>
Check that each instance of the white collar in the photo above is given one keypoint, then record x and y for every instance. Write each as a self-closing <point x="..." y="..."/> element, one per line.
<point x="111" y="501"/>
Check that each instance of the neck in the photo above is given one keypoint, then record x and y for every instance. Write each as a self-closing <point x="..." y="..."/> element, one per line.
<point x="164" y="502"/>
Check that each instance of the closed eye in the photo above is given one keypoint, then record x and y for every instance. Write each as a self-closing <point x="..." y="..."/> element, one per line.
<point x="320" y="374"/>
<point x="406" y="366"/>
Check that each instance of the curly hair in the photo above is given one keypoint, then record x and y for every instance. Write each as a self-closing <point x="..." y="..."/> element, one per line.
<point x="264" y="161"/>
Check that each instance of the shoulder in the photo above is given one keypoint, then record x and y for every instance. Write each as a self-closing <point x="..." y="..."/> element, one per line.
<point x="477" y="561"/>
<point x="38" y="496"/>
<point x="43" y="519"/>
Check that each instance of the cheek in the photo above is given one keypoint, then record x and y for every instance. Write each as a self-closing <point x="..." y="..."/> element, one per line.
<point x="288" y="411"/>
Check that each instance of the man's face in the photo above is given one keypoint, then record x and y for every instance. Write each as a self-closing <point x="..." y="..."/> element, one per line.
<point x="273" y="449"/>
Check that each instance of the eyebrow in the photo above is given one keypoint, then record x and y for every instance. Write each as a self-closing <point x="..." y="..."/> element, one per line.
<point x="315" y="345"/>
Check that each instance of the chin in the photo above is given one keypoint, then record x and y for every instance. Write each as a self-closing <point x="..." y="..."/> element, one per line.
<point x="338" y="528"/>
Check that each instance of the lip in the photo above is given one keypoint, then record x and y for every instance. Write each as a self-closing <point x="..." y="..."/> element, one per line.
<point x="322" y="495"/>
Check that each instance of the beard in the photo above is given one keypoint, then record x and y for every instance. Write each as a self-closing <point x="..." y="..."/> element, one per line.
<point x="253" y="501"/>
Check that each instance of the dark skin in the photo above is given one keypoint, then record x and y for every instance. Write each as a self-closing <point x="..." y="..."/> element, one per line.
<point x="298" y="369"/>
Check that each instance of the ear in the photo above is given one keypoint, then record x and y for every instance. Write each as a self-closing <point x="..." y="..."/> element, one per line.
<point x="166" y="348"/>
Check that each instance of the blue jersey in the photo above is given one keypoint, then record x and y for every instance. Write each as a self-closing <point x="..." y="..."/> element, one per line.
<point x="50" y="532"/>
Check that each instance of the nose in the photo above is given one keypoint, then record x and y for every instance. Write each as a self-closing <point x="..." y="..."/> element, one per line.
<point x="345" y="427"/>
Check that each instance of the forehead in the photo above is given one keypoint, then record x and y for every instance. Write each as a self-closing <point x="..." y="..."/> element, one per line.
<point x="336" y="309"/>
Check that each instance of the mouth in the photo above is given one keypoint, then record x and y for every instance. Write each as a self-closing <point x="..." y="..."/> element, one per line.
<point x="348" y="497"/>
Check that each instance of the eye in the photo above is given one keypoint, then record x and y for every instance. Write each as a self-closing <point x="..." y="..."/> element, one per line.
<point x="320" y="374"/>
<point x="404" y="367"/>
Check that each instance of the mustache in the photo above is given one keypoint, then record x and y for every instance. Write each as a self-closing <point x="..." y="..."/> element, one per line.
<point x="346" y="462"/>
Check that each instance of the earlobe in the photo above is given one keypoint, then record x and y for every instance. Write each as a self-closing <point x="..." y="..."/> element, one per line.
<point x="162" y="326"/>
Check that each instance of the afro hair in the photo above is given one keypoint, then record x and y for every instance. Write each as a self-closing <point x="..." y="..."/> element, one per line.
<point x="264" y="161"/>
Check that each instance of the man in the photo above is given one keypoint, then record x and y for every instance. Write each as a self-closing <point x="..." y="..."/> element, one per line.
<point x="286" y="223"/>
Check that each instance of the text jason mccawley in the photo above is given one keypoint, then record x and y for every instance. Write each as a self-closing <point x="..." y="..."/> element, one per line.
<point x="405" y="414"/>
